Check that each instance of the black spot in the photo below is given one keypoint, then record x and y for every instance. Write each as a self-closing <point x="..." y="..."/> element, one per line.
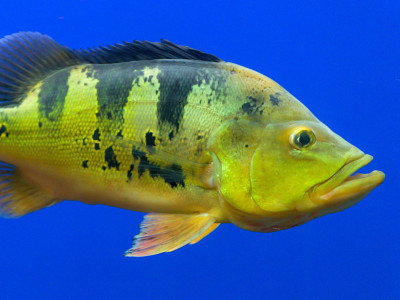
<point x="96" y="146"/>
<point x="252" y="106"/>
<point x="89" y="74"/>
<point x="246" y="146"/>
<point x="85" y="83"/>
<point x="254" y="100"/>
<point x="103" y="168"/>
<point x="85" y="164"/>
<point x="150" y="139"/>
<point x="89" y="71"/>
<point x="111" y="158"/>
<point x="96" y="135"/>
<point x="52" y="95"/>
<point x="171" y="135"/>
<point x="247" y="108"/>
<point x="172" y="174"/>
<point x="275" y="99"/>
<point x="3" y="129"/>
<point x="130" y="172"/>
<point x="7" y="134"/>
<point x="119" y="134"/>
<point x="84" y="141"/>
<point x="40" y="124"/>
<point x="109" y="115"/>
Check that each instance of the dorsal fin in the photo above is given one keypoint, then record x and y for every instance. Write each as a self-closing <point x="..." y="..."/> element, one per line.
<point x="28" y="57"/>
<point x="142" y="51"/>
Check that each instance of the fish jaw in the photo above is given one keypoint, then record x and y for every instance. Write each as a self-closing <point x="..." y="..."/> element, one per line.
<point x="343" y="188"/>
<point x="340" y="191"/>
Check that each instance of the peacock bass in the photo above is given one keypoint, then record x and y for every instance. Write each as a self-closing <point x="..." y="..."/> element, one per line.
<point x="168" y="130"/>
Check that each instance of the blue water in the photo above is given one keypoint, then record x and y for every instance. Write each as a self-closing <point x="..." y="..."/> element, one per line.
<point x="340" y="59"/>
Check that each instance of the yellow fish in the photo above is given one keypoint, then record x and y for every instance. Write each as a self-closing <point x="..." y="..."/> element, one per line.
<point x="168" y="130"/>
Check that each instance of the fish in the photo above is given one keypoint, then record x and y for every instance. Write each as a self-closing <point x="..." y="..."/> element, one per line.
<point x="189" y="139"/>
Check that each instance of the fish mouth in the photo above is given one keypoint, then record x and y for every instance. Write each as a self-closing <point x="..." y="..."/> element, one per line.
<point x="345" y="187"/>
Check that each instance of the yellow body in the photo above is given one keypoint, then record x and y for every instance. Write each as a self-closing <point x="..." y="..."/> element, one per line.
<point x="195" y="143"/>
<point x="51" y="153"/>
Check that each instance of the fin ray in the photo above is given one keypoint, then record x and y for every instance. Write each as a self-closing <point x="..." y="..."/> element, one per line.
<point x="28" y="57"/>
<point x="167" y="232"/>
<point x="19" y="197"/>
<point x="207" y="232"/>
<point x="142" y="51"/>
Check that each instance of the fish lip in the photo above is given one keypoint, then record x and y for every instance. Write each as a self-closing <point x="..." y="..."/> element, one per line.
<point x="343" y="186"/>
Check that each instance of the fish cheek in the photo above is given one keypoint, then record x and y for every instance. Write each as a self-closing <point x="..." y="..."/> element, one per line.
<point x="278" y="173"/>
<point x="232" y="146"/>
<point x="282" y="175"/>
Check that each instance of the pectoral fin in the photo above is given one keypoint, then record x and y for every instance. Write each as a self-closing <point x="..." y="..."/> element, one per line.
<point x="168" y="232"/>
<point x="18" y="196"/>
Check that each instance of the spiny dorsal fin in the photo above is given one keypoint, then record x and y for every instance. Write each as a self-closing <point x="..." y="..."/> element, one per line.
<point x="142" y="51"/>
<point x="28" y="57"/>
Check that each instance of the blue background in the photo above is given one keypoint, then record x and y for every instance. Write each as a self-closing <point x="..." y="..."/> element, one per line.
<point x="340" y="58"/>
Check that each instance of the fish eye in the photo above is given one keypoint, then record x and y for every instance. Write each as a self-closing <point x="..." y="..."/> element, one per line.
<point x="302" y="139"/>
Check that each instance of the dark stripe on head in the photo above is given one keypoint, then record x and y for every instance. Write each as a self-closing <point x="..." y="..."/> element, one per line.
<point x="52" y="95"/>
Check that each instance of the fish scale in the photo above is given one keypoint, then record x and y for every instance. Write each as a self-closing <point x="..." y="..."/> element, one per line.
<point x="165" y="129"/>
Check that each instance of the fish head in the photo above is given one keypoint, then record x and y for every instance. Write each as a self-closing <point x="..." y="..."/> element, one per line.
<point x="298" y="171"/>
<point x="304" y="166"/>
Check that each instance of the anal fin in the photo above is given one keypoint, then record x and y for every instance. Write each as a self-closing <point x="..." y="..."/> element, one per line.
<point x="207" y="232"/>
<point x="18" y="196"/>
<point x="167" y="232"/>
